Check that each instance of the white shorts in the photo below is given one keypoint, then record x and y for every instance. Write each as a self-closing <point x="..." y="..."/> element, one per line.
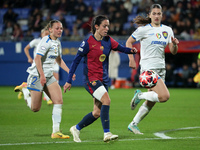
<point x="160" y="72"/>
<point x="33" y="82"/>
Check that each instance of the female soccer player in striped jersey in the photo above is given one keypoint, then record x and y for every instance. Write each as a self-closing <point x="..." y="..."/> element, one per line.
<point x="95" y="50"/>
<point x="41" y="76"/>
<point x="153" y="37"/>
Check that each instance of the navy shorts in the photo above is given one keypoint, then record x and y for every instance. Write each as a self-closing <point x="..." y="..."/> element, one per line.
<point x="94" y="85"/>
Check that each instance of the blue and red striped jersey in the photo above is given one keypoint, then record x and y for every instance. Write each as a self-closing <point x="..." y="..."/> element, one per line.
<point x="95" y="54"/>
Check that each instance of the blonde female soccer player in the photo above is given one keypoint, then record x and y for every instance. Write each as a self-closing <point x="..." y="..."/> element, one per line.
<point x="153" y="37"/>
<point x="33" y="44"/>
<point x="41" y="76"/>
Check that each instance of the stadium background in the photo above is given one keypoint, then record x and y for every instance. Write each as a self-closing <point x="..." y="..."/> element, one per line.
<point x="27" y="18"/>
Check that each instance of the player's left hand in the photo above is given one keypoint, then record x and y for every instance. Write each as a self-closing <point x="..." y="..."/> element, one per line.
<point x="74" y="77"/>
<point x="175" y="41"/>
<point x="134" y="50"/>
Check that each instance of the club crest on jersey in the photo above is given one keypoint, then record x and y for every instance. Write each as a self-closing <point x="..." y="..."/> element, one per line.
<point x="158" y="35"/>
<point x="55" y="48"/>
<point x="93" y="83"/>
<point x="165" y="34"/>
<point x="102" y="57"/>
<point x="101" y="48"/>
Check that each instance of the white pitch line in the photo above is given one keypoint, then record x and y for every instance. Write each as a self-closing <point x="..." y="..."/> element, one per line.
<point x="66" y="142"/>
<point x="162" y="135"/>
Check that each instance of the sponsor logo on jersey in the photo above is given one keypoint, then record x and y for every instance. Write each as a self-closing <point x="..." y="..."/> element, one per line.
<point x="82" y="44"/>
<point x="151" y="34"/>
<point x="93" y="45"/>
<point x="165" y="34"/>
<point x="102" y="58"/>
<point x="80" y="49"/>
<point x="101" y="48"/>
<point x="158" y="35"/>
<point x="159" y="42"/>
<point x="52" y="57"/>
<point x="43" y="48"/>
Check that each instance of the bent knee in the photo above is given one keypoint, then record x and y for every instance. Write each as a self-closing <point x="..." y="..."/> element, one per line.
<point x="35" y="109"/>
<point x="164" y="98"/>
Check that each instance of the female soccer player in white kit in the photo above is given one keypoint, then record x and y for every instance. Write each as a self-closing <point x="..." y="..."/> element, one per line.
<point x="41" y="76"/>
<point x="33" y="44"/>
<point x="153" y="37"/>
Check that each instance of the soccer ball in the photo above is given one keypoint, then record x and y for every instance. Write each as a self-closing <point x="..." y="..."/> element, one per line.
<point x="148" y="79"/>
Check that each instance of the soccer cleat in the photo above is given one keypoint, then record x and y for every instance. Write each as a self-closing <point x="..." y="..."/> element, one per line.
<point x="134" y="129"/>
<point x="109" y="136"/>
<point x="59" y="135"/>
<point x="75" y="132"/>
<point x="44" y="98"/>
<point x="19" y="96"/>
<point x="135" y="100"/>
<point x="196" y="78"/>
<point x="49" y="102"/>
<point x="19" y="87"/>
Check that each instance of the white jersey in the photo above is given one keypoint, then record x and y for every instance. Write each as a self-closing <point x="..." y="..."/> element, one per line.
<point x="33" y="44"/>
<point x="49" y="50"/>
<point x="153" y="41"/>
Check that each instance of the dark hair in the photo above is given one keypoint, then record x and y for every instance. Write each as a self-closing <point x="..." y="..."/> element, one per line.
<point x="97" y="21"/>
<point x="140" y="20"/>
<point x="50" y="24"/>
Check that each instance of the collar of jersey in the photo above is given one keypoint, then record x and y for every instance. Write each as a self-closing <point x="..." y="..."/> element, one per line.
<point x="152" y="26"/>
<point x="49" y="37"/>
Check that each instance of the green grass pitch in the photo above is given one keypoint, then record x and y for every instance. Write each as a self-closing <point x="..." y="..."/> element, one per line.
<point x="178" y="119"/>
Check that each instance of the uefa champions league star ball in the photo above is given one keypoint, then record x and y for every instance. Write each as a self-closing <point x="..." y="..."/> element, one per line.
<point x="148" y="79"/>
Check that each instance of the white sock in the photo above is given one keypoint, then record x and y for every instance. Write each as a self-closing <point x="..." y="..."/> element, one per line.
<point x="47" y="97"/>
<point x="28" y="100"/>
<point x="27" y="96"/>
<point x="26" y="93"/>
<point x="142" y="112"/>
<point x="150" y="96"/>
<point x="56" y="117"/>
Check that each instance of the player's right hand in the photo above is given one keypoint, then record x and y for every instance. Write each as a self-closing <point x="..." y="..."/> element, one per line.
<point x="30" y="60"/>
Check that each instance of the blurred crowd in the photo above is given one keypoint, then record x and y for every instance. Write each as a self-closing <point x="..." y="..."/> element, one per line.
<point x="24" y="19"/>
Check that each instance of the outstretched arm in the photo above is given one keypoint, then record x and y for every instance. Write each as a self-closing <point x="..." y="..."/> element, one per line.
<point x="129" y="43"/>
<point x="63" y="65"/>
<point x="73" y="67"/>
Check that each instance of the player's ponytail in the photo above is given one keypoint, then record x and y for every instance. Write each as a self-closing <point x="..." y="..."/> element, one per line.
<point x="142" y="21"/>
<point x="97" y="21"/>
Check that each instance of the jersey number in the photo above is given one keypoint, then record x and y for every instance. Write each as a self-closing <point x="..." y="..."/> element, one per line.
<point x="34" y="80"/>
